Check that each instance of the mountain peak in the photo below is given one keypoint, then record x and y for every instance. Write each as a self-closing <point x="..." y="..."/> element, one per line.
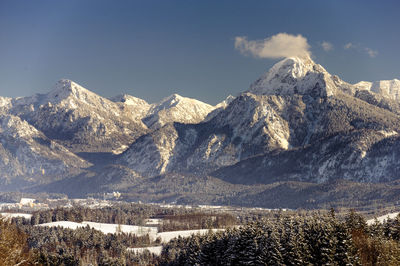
<point x="170" y="101"/>
<point x="293" y="75"/>
<point x="173" y="97"/>
<point x="296" y="66"/>
<point x="66" y="88"/>
<point x="176" y="108"/>
<point x="65" y="83"/>
<point x="129" y="100"/>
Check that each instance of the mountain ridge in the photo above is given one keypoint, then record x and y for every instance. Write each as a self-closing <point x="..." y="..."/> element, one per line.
<point x="296" y="123"/>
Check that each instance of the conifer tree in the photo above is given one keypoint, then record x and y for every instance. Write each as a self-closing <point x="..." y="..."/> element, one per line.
<point x="271" y="251"/>
<point x="13" y="248"/>
<point x="344" y="251"/>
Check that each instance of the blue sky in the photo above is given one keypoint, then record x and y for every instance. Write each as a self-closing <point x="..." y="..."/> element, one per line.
<point x="151" y="49"/>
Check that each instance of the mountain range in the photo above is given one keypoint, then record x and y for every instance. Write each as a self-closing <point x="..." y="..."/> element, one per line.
<point x="295" y="137"/>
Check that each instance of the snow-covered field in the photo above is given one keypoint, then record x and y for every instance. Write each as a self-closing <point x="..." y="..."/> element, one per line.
<point x="131" y="229"/>
<point x="383" y="218"/>
<point x="107" y="228"/>
<point x="15" y="214"/>
<point x="64" y="224"/>
<point x="114" y="228"/>
<point x="155" y="250"/>
<point x="167" y="236"/>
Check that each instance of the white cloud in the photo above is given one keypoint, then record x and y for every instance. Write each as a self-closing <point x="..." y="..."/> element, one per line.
<point x="348" y="45"/>
<point x="371" y="53"/>
<point x="276" y="46"/>
<point x="327" y="46"/>
<point x="360" y="48"/>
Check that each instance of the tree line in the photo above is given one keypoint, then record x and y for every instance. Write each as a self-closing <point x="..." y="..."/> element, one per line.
<point x="312" y="240"/>
<point x="136" y="214"/>
<point x="277" y="239"/>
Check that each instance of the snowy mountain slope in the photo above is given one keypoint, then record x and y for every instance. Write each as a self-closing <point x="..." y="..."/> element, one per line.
<point x="5" y="103"/>
<point x="79" y="119"/>
<point x="225" y="102"/>
<point x="383" y="94"/>
<point x="270" y="122"/>
<point x="362" y="156"/>
<point x="151" y="153"/>
<point x="297" y="124"/>
<point x="296" y="76"/>
<point x="176" y="108"/>
<point x="219" y="107"/>
<point x="137" y="107"/>
<point x="250" y="125"/>
<point x="387" y="88"/>
<point x="130" y="100"/>
<point x="342" y="137"/>
<point x="73" y="118"/>
<point x="28" y="154"/>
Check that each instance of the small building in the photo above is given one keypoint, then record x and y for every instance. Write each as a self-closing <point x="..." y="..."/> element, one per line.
<point x="27" y="202"/>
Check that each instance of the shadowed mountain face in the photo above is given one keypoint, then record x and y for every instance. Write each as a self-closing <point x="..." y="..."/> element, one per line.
<point x="27" y="156"/>
<point x="297" y="123"/>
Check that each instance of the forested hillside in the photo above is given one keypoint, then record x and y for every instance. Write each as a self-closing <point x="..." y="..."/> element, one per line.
<point x="258" y="238"/>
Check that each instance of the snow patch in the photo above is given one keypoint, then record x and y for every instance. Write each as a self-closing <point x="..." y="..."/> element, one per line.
<point x="120" y="149"/>
<point x="383" y="218"/>
<point x="131" y="229"/>
<point x="167" y="236"/>
<point x="107" y="228"/>
<point x="9" y="215"/>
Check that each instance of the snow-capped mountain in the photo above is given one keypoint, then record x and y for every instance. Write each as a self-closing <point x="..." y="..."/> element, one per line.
<point x="384" y="93"/>
<point x="386" y="88"/>
<point x="296" y="123"/>
<point x="27" y="154"/>
<point x="80" y="119"/>
<point x="225" y="102"/>
<point x="176" y="108"/>
<point x="219" y="107"/>
<point x="295" y="75"/>
<point x="5" y="102"/>
<point x="173" y="108"/>
<point x="137" y="107"/>
<point x="296" y="104"/>
<point x="73" y="121"/>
